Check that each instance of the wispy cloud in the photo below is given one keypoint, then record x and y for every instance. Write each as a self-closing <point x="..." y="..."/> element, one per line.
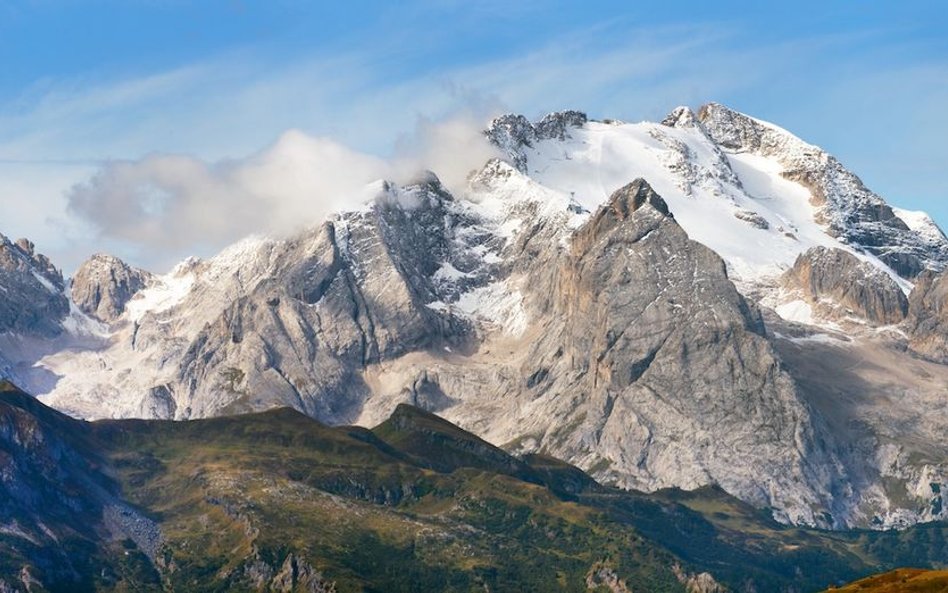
<point x="174" y="132"/>
<point x="173" y="205"/>
<point x="182" y="147"/>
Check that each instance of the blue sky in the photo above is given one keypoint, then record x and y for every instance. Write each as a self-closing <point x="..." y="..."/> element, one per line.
<point x="88" y="82"/>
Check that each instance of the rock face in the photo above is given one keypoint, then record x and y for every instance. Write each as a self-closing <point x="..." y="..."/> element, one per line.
<point x="298" y="575"/>
<point x="850" y="210"/>
<point x="103" y="284"/>
<point x="927" y="321"/>
<point x="512" y="133"/>
<point x="32" y="291"/>
<point x="292" y="322"/>
<point x="593" y="297"/>
<point x="840" y="285"/>
<point x="656" y="367"/>
<point x="352" y="293"/>
<point x="699" y="583"/>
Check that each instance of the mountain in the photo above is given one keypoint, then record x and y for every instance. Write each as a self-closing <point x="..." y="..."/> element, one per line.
<point x="278" y="501"/>
<point x="104" y="284"/>
<point x="703" y="301"/>
<point x="61" y="522"/>
<point x="33" y="290"/>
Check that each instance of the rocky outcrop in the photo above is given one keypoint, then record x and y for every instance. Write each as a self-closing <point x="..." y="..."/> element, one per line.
<point x="698" y="583"/>
<point x="297" y="575"/>
<point x="557" y="125"/>
<point x="602" y="576"/>
<point x="512" y="133"/>
<point x="659" y="372"/>
<point x="838" y="285"/>
<point x="104" y="284"/>
<point x="31" y="291"/>
<point x="681" y="117"/>
<point x="624" y="202"/>
<point x="927" y="322"/>
<point x="352" y="293"/>
<point x="752" y="218"/>
<point x="850" y="211"/>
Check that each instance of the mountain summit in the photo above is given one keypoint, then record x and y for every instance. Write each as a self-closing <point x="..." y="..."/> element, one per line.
<point x="708" y="300"/>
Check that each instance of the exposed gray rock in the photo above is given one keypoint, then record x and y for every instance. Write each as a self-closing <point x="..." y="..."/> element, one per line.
<point x="714" y="175"/>
<point x="927" y="322"/>
<point x="298" y="576"/>
<point x="753" y="218"/>
<point x="602" y="576"/>
<point x="621" y="205"/>
<point x="103" y="284"/>
<point x="32" y="301"/>
<point x="681" y="117"/>
<point x="839" y="285"/>
<point x="124" y="521"/>
<point x="351" y="293"/>
<point x="698" y="583"/>
<point x="659" y="367"/>
<point x="512" y="133"/>
<point x="886" y="407"/>
<point x="556" y="126"/>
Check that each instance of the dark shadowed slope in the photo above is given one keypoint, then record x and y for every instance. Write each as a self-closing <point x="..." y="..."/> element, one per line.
<point x="278" y="501"/>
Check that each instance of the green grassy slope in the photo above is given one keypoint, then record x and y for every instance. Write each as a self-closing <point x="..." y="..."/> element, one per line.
<point x="278" y="501"/>
<point x="900" y="581"/>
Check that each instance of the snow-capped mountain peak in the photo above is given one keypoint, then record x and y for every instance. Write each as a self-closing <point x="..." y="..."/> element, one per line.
<point x="849" y="210"/>
<point x="609" y="292"/>
<point x="754" y="192"/>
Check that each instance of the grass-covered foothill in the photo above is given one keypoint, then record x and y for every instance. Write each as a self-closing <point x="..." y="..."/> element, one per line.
<point x="279" y="501"/>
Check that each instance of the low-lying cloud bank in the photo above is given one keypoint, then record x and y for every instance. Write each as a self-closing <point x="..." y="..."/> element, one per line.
<point x="179" y="204"/>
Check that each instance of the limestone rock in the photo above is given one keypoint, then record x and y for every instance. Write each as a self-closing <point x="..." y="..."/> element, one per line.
<point x="297" y="575"/>
<point x="681" y="117"/>
<point x="104" y="284"/>
<point x="838" y="284"/>
<point x="927" y="321"/>
<point x="658" y="367"/>
<point x="31" y="291"/>
<point x="511" y="133"/>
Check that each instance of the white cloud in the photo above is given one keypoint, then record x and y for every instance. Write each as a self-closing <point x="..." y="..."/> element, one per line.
<point x="178" y="179"/>
<point x="170" y="205"/>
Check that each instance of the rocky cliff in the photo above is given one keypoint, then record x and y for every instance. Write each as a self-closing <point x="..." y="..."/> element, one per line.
<point x="32" y="291"/>
<point x="850" y="210"/>
<point x="661" y="304"/>
<point x="103" y="284"/>
<point x="838" y="286"/>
